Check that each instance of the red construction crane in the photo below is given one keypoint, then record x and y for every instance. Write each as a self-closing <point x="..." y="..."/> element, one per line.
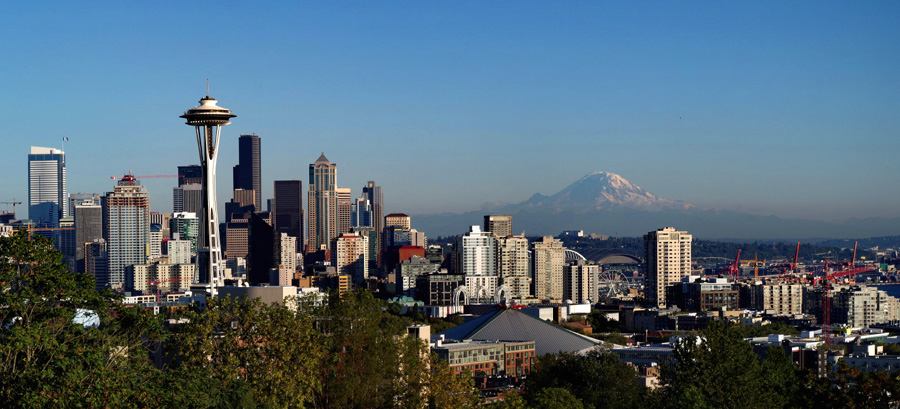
<point x="158" y="282"/>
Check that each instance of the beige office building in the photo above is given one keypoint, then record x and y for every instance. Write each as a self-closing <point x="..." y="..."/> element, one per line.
<point x="499" y="225"/>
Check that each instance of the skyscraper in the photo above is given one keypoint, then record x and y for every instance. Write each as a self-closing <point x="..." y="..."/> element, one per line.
<point x="88" y="228"/>
<point x="323" y="206"/>
<point x="373" y="192"/>
<point x="476" y="260"/>
<point x="580" y="281"/>
<point x="344" y="203"/>
<point x="47" y="186"/>
<point x="361" y="213"/>
<point x="126" y="212"/>
<point x="288" y="214"/>
<point x="500" y="225"/>
<point x="350" y="255"/>
<point x="667" y="259"/>
<point x="190" y="175"/>
<point x="247" y="173"/>
<point x="549" y="260"/>
<point x="512" y="265"/>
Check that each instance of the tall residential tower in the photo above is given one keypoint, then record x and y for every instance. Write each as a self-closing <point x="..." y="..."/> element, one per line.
<point x="667" y="259"/>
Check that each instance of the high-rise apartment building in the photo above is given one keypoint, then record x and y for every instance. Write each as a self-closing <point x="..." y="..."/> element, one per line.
<point x="88" y="228"/>
<point x="580" y="281"/>
<point x="499" y="225"/>
<point x="350" y="255"/>
<point x="549" y="260"/>
<point x="288" y="212"/>
<point x="286" y="256"/>
<point x="476" y="255"/>
<point x="513" y="265"/>
<point x="247" y="173"/>
<point x="47" y="186"/>
<point x="323" y="204"/>
<point x="126" y="213"/>
<point x="667" y="259"/>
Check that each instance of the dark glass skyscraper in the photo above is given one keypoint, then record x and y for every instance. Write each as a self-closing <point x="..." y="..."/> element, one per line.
<point x="288" y="216"/>
<point x="247" y="172"/>
<point x="190" y="174"/>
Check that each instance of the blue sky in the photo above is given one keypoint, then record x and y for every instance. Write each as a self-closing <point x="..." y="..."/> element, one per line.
<point x="786" y="108"/>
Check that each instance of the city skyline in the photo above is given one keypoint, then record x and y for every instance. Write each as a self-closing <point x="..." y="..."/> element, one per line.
<point x="772" y="110"/>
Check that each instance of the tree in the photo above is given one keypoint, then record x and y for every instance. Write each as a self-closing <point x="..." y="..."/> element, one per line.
<point x="598" y="379"/>
<point x="555" y="398"/>
<point x="247" y="351"/>
<point x="719" y="370"/>
<point x="47" y="358"/>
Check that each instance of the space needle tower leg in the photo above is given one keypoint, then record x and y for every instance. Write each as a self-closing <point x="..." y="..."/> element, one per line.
<point x="208" y="119"/>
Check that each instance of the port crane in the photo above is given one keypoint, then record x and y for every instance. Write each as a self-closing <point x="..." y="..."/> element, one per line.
<point x="825" y="280"/>
<point x="734" y="269"/>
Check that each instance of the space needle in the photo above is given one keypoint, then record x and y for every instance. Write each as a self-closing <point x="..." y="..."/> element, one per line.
<point x="208" y="119"/>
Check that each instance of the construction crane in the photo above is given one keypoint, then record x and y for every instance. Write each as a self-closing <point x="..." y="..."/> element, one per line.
<point x="32" y="229"/>
<point x="755" y="263"/>
<point x="13" y="203"/>
<point x="130" y="178"/>
<point x="158" y="282"/>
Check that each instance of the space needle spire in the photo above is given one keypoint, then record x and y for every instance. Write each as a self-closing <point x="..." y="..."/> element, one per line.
<point x="208" y="119"/>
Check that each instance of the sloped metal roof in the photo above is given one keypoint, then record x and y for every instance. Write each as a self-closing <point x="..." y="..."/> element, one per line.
<point x="514" y="325"/>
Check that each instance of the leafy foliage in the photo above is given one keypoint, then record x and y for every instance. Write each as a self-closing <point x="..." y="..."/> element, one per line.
<point x="598" y="379"/>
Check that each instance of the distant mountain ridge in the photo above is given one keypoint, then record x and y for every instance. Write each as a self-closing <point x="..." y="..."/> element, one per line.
<point x="607" y="203"/>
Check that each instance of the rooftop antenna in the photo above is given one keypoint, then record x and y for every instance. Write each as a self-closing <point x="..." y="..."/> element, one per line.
<point x="207" y="87"/>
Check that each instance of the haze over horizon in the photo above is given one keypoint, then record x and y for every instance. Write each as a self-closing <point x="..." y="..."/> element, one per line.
<point x="764" y="108"/>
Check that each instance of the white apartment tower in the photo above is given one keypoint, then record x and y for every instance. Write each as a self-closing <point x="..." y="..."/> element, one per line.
<point x="667" y="259"/>
<point x="476" y="260"/>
